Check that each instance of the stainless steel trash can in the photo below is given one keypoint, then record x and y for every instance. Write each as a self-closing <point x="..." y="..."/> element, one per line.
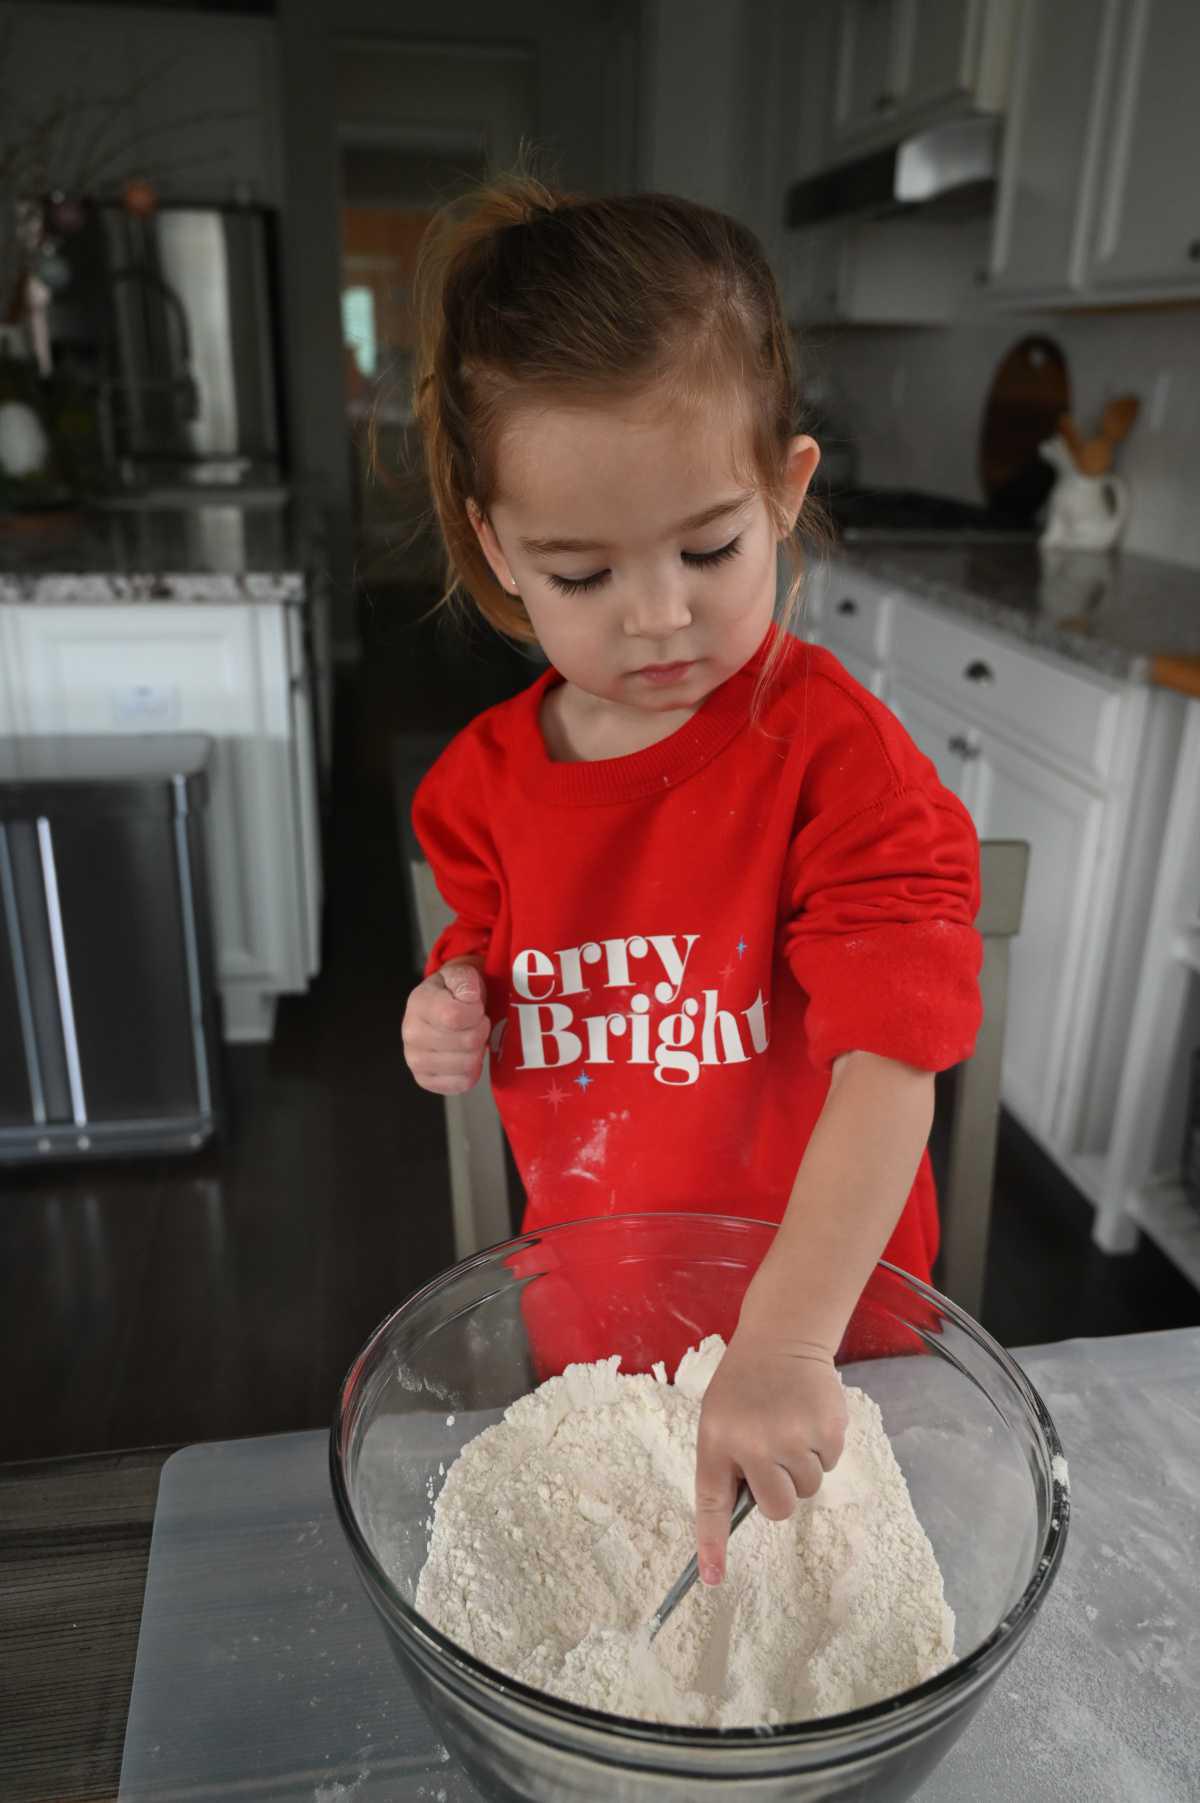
<point x="109" y="1035"/>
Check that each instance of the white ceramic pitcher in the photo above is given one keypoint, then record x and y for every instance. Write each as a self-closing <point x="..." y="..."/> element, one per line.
<point x="1087" y="513"/>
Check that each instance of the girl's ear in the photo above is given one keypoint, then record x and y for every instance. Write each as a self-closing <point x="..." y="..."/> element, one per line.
<point x="804" y="454"/>
<point x="490" y="545"/>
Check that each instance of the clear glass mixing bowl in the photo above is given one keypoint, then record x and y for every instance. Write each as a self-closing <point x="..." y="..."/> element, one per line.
<point x="970" y="1432"/>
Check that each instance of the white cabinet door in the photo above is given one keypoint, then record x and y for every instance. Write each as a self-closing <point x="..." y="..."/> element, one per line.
<point x="1146" y="232"/>
<point x="938" y="51"/>
<point x="1049" y="143"/>
<point x="901" y="64"/>
<point x="1017" y="797"/>
<point x="222" y="670"/>
<point x="942" y="733"/>
<point x="865" y="80"/>
<point x="1102" y="134"/>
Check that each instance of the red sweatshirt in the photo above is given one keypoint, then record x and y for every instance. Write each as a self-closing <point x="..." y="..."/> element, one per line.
<point x="678" y="943"/>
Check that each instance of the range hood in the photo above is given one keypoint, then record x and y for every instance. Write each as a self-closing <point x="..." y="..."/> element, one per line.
<point x="945" y="171"/>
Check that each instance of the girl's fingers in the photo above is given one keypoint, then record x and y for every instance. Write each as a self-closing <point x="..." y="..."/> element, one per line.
<point x="804" y="1472"/>
<point x="716" y="1487"/>
<point x="774" y="1488"/>
<point x="448" y="1064"/>
<point x="421" y="1038"/>
<point x="448" y="1085"/>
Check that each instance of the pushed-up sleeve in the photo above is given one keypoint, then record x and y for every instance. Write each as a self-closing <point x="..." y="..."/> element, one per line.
<point x="879" y="929"/>
<point x="449" y="821"/>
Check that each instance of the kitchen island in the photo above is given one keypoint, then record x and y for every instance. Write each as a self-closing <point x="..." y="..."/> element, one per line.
<point x="1102" y="1701"/>
<point x="212" y="618"/>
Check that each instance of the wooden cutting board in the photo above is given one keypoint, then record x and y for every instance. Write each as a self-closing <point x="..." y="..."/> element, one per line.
<point x="1030" y="392"/>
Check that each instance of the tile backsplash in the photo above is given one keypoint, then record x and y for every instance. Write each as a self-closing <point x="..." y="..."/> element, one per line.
<point x="912" y="401"/>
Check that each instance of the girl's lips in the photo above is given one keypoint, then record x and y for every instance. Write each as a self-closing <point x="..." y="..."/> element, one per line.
<point x="664" y="672"/>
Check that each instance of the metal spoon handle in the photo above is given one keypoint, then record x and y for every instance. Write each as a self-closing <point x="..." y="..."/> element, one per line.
<point x="743" y="1504"/>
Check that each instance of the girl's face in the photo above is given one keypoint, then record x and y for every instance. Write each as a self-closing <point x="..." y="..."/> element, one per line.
<point x="647" y="570"/>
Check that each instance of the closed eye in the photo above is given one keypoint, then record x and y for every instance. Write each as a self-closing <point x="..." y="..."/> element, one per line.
<point x="705" y="560"/>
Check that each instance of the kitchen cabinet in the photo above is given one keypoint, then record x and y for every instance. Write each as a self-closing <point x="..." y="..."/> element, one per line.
<point x="855" y="625"/>
<point x="1146" y="230"/>
<point x="1075" y="762"/>
<point x="1011" y="794"/>
<point x="946" y="736"/>
<point x="238" y="672"/>
<point x="865" y="83"/>
<point x="952" y="51"/>
<point x="1015" y="794"/>
<point x="1140" y="1178"/>
<point x="900" y="64"/>
<point x="1093" y="204"/>
<point x="1049" y="136"/>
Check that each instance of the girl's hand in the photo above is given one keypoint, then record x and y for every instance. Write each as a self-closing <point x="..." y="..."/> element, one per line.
<point x="445" y="1030"/>
<point x="774" y="1413"/>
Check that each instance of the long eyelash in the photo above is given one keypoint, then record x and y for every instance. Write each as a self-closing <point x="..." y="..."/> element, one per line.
<point x="701" y="559"/>
<point x="708" y="558"/>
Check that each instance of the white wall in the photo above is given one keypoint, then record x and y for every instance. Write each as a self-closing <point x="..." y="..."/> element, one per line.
<point x="929" y="438"/>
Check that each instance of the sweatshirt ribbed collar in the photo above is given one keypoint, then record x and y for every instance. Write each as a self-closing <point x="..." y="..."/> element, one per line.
<point x="641" y="773"/>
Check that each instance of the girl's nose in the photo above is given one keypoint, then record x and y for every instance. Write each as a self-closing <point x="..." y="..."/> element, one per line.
<point x="658" y="609"/>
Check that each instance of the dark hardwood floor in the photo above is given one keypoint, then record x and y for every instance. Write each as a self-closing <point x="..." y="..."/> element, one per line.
<point x="168" y="1301"/>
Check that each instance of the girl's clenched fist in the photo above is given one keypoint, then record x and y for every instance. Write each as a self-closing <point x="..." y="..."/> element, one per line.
<point x="446" y="1028"/>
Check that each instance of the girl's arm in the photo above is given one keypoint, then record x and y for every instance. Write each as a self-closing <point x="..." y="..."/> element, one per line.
<point x="774" y="1411"/>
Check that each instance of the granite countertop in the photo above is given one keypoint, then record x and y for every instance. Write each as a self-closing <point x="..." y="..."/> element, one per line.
<point x="1134" y="618"/>
<point x="222" y="552"/>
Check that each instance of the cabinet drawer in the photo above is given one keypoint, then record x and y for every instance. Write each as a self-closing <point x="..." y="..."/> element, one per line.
<point x="1039" y="700"/>
<point x="857" y="613"/>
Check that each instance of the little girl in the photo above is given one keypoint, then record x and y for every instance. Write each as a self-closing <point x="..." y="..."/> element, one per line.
<point x="713" y="907"/>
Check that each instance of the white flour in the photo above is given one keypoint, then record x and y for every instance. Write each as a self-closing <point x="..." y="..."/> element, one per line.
<point x="559" y="1530"/>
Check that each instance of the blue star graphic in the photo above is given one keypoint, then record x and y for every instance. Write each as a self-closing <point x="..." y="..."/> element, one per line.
<point x="583" y="1081"/>
<point x="740" y="947"/>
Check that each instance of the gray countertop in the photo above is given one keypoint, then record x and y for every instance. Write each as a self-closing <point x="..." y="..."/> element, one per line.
<point x="1114" y="611"/>
<point x="183" y="554"/>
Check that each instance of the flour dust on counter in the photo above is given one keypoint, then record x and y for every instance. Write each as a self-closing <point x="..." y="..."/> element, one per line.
<point x="559" y="1528"/>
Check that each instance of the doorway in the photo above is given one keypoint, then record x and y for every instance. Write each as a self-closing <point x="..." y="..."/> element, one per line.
<point x="417" y="123"/>
<point x="389" y="194"/>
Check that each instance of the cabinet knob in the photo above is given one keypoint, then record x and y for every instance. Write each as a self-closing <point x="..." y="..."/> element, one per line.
<point x="978" y="671"/>
<point x="885" y="102"/>
<point x="962" y="746"/>
<point x="847" y="606"/>
<point x="1194" y="250"/>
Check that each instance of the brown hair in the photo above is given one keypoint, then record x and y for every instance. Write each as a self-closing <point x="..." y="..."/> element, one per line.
<point x="525" y="291"/>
